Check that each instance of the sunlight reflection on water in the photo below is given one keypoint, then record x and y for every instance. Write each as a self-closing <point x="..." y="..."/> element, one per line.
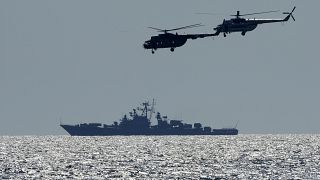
<point x="123" y="157"/>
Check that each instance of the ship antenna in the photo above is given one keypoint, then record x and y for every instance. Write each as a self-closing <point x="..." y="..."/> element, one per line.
<point x="152" y="110"/>
<point x="60" y="119"/>
<point x="235" y="127"/>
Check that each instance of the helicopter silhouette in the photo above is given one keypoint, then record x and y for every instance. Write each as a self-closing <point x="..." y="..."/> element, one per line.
<point x="170" y="40"/>
<point x="243" y="25"/>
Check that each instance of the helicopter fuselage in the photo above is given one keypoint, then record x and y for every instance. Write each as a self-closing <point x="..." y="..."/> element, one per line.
<point x="167" y="40"/>
<point x="243" y="25"/>
<point x="238" y="26"/>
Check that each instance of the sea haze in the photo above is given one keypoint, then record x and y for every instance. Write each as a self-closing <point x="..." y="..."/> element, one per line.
<point x="194" y="157"/>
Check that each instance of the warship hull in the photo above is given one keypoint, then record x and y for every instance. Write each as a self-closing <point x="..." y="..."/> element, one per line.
<point x="77" y="130"/>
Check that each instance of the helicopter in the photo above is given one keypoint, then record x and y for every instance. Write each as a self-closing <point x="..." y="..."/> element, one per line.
<point x="243" y="25"/>
<point x="170" y="40"/>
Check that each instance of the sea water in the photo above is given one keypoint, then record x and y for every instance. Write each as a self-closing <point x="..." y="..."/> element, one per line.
<point x="160" y="157"/>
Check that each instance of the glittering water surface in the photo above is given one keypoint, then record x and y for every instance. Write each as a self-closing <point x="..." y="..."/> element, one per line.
<point x="161" y="157"/>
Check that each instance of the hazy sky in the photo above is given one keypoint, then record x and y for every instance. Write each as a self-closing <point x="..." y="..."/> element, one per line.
<point x="83" y="61"/>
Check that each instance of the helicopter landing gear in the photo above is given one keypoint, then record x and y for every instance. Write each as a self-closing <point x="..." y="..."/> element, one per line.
<point x="243" y="33"/>
<point x="153" y="50"/>
<point x="224" y="35"/>
<point x="172" y="49"/>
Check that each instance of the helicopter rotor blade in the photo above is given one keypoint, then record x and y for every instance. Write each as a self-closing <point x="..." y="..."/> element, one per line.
<point x="254" y="13"/>
<point x="185" y="27"/>
<point x="200" y="13"/>
<point x="157" y="29"/>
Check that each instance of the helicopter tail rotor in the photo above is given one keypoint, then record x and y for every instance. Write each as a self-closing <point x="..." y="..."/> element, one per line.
<point x="290" y="15"/>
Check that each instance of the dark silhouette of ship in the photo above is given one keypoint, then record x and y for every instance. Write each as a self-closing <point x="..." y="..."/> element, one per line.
<point x="139" y="124"/>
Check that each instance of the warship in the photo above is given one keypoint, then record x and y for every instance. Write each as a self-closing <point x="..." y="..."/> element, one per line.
<point x="139" y="123"/>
